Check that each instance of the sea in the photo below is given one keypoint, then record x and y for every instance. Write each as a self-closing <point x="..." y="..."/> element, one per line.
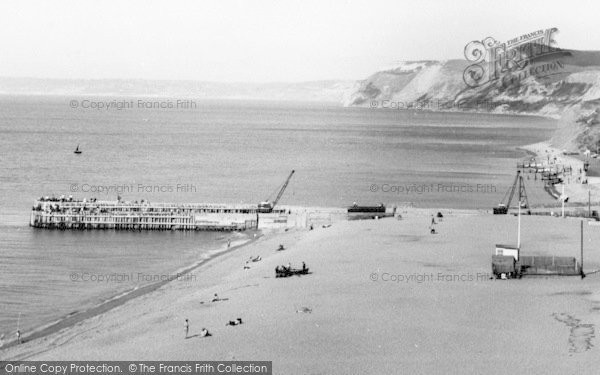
<point x="228" y="151"/>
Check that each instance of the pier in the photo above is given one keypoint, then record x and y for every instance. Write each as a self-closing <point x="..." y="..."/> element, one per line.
<point x="53" y="213"/>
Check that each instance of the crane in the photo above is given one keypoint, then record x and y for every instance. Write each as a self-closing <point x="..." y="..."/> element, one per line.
<point x="266" y="206"/>
<point x="519" y="185"/>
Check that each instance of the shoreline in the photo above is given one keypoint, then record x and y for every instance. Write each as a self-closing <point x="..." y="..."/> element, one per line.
<point x="341" y="308"/>
<point x="578" y="193"/>
<point x="70" y="320"/>
<point x="121" y="298"/>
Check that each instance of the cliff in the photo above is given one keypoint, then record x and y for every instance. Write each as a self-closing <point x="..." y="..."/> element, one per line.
<point x="564" y="85"/>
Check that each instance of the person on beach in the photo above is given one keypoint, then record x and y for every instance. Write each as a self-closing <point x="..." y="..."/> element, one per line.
<point x="216" y="298"/>
<point x="236" y="322"/>
<point x="303" y="267"/>
<point x="18" y="336"/>
<point x="228" y="243"/>
<point x="187" y="328"/>
<point x="204" y="333"/>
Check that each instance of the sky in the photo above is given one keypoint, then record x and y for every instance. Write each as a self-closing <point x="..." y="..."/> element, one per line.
<point x="265" y="41"/>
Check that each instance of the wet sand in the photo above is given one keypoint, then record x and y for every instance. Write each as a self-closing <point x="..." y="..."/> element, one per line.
<point x="384" y="296"/>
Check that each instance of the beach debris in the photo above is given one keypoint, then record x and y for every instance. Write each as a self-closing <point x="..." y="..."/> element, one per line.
<point x="280" y="248"/>
<point x="580" y="338"/>
<point x="305" y="310"/>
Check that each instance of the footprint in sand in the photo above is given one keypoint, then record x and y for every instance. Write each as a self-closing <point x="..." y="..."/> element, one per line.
<point x="580" y="339"/>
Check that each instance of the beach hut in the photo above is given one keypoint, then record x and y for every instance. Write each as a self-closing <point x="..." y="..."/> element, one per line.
<point x="593" y="174"/>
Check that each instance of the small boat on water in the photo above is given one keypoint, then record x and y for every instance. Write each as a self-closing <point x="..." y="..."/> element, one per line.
<point x="77" y="150"/>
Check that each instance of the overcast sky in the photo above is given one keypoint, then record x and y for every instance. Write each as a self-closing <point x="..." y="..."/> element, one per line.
<point x="253" y="41"/>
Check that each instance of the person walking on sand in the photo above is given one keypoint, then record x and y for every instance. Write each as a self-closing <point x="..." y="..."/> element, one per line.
<point x="187" y="328"/>
<point x="18" y="336"/>
<point x="228" y="243"/>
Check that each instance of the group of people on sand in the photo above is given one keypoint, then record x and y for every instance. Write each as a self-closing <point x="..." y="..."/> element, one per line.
<point x="236" y="322"/>
<point x="289" y="269"/>
<point x="252" y="259"/>
<point x="204" y="332"/>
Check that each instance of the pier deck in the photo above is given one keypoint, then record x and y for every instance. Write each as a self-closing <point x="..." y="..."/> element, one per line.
<point x="70" y="214"/>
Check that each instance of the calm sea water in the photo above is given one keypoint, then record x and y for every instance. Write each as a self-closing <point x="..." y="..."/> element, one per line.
<point x="229" y="151"/>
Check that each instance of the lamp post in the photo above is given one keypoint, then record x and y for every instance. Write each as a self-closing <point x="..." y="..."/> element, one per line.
<point x="519" y="227"/>
<point x="562" y="198"/>
<point x="581" y="267"/>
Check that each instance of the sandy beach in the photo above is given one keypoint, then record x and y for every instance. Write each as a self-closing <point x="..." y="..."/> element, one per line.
<point x="576" y="191"/>
<point x="384" y="296"/>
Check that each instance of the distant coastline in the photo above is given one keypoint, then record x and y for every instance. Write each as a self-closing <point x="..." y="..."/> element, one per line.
<point x="331" y="91"/>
